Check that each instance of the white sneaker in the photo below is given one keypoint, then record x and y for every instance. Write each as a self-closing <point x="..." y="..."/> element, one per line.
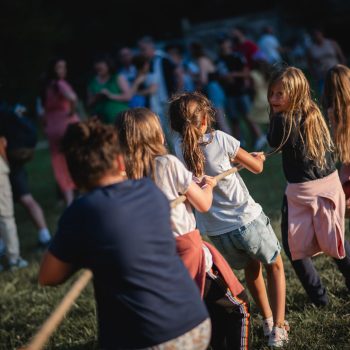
<point x="279" y="336"/>
<point x="267" y="326"/>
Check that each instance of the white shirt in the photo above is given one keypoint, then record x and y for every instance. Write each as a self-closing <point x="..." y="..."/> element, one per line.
<point x="174" y="180"/>
<point x="232" y="207"/>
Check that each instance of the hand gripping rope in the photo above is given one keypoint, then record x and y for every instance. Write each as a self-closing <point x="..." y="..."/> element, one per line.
<point x="49" y="326"/>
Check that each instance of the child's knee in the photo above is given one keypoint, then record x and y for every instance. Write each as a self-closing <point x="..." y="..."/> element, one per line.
<point x="276" y="266"/>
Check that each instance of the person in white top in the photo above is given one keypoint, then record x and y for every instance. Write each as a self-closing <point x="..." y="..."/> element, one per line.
<point x="142" y="139"/>
<point x="270" y="46"/>
<point x="235" y="223"/>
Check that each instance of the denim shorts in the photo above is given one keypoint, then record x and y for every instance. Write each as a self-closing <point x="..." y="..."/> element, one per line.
<point x="257" y="240"/>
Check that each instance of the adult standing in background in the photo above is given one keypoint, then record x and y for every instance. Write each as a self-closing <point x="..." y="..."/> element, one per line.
<point x="323" y="54"/>
<point x="165" y="77"/>
<point x="108" y="93"/>
<point x="184" y="80"/>
<point x="21" y="136"/>
<point x="234" y="75"/>
<point x="127" y="68"/>
<point x="59" y="100"/>
<point x="207" y="82"/>
<point x="8" y="227"/>
<point x="241" y="44"/>
<point x="270" y="46"/>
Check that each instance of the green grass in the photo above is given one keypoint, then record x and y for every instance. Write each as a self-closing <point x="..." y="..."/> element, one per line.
<point x="24" y="305"/>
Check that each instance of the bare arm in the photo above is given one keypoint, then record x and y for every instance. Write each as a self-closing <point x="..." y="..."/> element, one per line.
<point x="54" y="271"/>
<point x="151" y="89"/>
<point x="3" y="145"/>
<point x="203" y="71"/>
<point x="201" y="198"/>
<point x="70" y="95"/>
<point x="253" y="162"/>
<point x="126" y="92"/>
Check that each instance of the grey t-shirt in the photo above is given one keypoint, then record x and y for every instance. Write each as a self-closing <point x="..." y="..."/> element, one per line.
<point x="232" y="207"/>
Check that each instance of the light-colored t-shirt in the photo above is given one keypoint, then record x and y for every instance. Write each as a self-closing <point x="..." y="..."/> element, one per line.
<point x="232" y="207"/>
<point x="174" y="180"/>
<point x="270" y="45"/>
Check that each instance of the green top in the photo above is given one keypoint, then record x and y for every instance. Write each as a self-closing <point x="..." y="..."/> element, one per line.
<point x="105" y="108"/>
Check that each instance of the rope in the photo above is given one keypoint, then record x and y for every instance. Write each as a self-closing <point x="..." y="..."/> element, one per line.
<point x="50" y="325"/>
<point x="218" y="177"/>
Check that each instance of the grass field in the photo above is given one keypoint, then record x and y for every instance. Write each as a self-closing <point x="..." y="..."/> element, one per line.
<point x="24" y="305"/>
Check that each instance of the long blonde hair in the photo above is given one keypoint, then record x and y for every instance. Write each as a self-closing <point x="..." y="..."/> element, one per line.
<point x="336" y="96"/>
<point x="303" y="116"/>
<point x="142" y="140"/>
<point x="186" y="112"/>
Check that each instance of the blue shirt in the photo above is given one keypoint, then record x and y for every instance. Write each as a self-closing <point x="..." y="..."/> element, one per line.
<point x="143" y="291"/>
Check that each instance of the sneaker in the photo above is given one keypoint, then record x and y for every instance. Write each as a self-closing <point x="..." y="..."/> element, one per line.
<point x="267" y="326"/>
<point x="279" y="336"/>
<point x="260" y="143"/>
<point x="18" y="264"/>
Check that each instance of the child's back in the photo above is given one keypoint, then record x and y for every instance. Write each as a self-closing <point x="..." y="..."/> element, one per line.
<point x="232" y="207"/>
<point x="235" y="223"/>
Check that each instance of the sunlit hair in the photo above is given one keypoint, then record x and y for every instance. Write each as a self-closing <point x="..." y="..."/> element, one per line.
<point x="336" y="96"/>
<point x="186" y="112"/>
<point x="303" y="116"/>
<point x="142" y="140"/>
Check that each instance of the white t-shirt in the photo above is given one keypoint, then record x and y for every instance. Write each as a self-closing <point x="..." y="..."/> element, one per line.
<point x="174" y="180"/>
<point x="232" y="207"/>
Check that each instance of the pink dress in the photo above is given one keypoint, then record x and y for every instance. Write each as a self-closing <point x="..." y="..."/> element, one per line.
<point x="57" y="118"/>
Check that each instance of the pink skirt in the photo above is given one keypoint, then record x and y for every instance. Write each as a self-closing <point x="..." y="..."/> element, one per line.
<point x="316" y="212"/>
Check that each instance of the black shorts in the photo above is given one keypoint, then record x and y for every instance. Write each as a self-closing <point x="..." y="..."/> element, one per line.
<point x="19" y="181"/>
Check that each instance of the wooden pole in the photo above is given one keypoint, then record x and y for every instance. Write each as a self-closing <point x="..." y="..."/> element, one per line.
<point x="50" y="325"/>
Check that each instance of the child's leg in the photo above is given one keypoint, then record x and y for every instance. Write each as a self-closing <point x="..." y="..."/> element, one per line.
<point x="229" y="315"/>
<point x="256" y="285"/>
<point x="276" y="285"/>
<point x="304" y="268"/>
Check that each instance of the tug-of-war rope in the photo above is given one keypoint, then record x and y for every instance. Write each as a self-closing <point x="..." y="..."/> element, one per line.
<point x="49" y="326"/>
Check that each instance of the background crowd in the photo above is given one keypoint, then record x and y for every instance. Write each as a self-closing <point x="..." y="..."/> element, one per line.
<point x="233" y="75"/>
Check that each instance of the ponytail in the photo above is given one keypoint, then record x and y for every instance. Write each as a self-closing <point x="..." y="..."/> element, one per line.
<point x="192" y="153"/>
<point x="186" y="112"/>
